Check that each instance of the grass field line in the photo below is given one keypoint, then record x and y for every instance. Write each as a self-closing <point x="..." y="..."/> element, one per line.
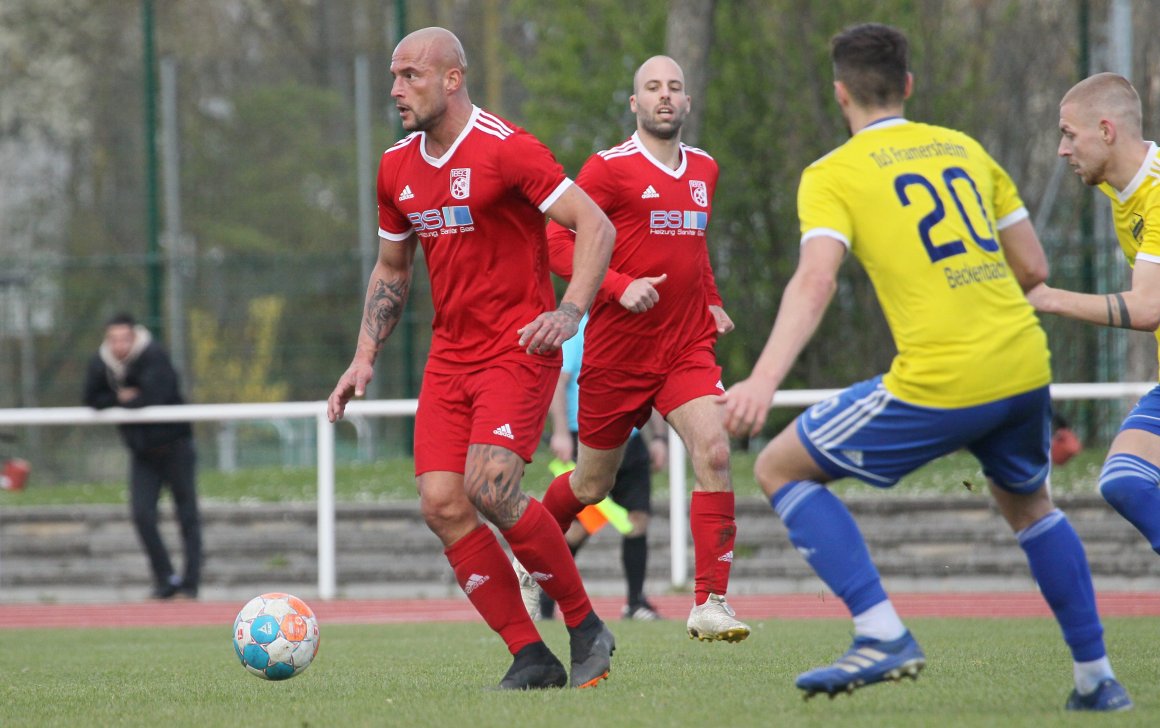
<point x="401" y="611"/>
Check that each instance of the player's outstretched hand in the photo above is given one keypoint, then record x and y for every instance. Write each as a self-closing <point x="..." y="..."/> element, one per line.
<point x="724" y="323"/>
<point x="550" y="329"/>
<point x="353" y="383"/>
<point x="641" y="294"/>
<point x="747" y="405"/>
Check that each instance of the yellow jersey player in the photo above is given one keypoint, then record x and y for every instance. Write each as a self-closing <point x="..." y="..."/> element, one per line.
<point x="941" y="231"/>
<point x="1100" y="121"/>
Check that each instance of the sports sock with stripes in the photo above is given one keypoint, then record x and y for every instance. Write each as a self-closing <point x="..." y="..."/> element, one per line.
<point x="541" y="548"/>
<point x="1131" y="485"/>
<point x="484" y="573"/>
<point x="1059" y="565"/>
<point x="824" y="532"/>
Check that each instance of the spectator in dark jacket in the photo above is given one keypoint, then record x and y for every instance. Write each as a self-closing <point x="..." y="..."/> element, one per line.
<point x="131" y="370"/>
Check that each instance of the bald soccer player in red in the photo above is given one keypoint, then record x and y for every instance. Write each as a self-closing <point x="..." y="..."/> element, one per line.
<point x="652" y="332"/>
<point x="473" y="190"/>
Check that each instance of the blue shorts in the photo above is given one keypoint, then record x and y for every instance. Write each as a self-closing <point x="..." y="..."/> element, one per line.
<point x="1146" y="414"/>
<point x="865" y="432"/>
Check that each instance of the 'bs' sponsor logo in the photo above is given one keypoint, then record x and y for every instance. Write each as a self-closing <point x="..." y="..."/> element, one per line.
<point x="455" y="215"/>
<point x="461" y="183"/>
<point x="699" y="192"/>
<point x="678" y="219"/>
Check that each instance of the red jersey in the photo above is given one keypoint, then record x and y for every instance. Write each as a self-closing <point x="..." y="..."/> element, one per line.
<point x="479" y="213"/>
<point x="660" y="215"/>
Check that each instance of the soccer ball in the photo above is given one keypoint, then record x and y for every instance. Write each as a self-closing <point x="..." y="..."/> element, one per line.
<point x="276" y="636"/>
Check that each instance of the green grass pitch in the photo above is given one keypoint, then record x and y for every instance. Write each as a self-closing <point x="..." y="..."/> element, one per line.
<point x="980" y="672"/>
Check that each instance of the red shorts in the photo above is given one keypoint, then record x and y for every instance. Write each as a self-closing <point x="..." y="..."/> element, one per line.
<point x="505" y="404"/>
<point x="612" y="402"/>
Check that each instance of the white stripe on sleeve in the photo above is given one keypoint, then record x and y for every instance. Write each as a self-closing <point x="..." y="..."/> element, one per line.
<point x="560" y="189"/>
<point x="825" y="232"/>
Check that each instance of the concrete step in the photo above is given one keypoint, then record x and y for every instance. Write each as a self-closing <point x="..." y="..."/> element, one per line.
<point x="55" y="553"/>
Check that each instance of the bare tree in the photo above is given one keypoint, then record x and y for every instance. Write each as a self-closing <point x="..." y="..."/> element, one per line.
<point x="688" y="39"/>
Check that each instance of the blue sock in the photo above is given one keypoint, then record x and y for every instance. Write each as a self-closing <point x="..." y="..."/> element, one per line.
<point x="1131" y="485"/>
<point x="824" y="532"/>
<point x="1060" y="567"/>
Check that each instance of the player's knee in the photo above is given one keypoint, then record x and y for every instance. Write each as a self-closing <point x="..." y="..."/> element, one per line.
<point x="711" y="464"/>
<point x="143" y="512"/>
<point x="717" y="456"/>
<point x="592" y="487"/>
<point x="500" y="506"/>
<point x="442" y="513"/>
<point x="766" y="472"/>
<point x="1124" y="476"/>
<point x="1113" y="489"/>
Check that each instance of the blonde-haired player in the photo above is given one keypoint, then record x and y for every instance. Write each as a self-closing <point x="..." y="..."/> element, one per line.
<point x="1100" y="123"/>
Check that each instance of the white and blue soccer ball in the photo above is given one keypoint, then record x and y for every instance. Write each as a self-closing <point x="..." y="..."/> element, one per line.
<point x="276" y="636"/>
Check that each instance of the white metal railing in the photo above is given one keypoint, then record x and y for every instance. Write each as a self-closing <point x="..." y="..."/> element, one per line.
<point x="327" y="577"/>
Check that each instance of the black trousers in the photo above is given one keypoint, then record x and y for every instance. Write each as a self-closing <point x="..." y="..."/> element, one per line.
<point x="173" y="464"/>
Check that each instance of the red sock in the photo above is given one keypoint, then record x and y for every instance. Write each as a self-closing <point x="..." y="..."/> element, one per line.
<point x="486" y="576"/>
<point x="543" y="551"/>
<point x="561" y="501"/>
<point x="714" y="528"/>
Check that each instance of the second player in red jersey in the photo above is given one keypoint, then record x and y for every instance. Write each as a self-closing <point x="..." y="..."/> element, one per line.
<point x="652" y="331"/>
<point x="661" y="215"/>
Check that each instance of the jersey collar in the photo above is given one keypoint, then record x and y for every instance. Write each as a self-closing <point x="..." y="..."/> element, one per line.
<point x="1151" y="166"/>
<point x="884" y="123"/>
<point x="674" y="173"/>
<point x="438" y="162"/>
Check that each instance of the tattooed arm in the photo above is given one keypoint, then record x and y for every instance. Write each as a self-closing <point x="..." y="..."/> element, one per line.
<point x="1137" y="308"/>
<point x="387" y="292"/>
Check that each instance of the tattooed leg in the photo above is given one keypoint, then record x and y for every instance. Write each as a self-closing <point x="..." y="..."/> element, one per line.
<point x="492" y="483"/>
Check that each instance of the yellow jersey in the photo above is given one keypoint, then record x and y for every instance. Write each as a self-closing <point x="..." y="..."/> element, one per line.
<point x="1136" y="212"/>
<point x="921" y="208"/>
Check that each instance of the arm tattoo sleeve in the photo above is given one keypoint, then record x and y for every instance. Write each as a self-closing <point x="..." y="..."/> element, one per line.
<point x="384" y="308"/>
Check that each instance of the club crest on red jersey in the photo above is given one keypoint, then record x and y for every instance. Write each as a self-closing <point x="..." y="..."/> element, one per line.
<point x="461" y="183"/>
<point x="699" y="191"/>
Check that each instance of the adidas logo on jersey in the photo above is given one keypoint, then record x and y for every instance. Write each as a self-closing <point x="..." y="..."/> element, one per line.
<point x="474" y="582"/>
<point x="854" y="456"/>
<point x="406" y="194"/>
<point x="727" y="558"/>
<point x="504" y="430"/>
<point x="649" y="193"/>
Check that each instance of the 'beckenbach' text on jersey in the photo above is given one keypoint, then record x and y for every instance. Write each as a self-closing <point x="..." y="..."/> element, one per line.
<point x="478" y="212"/>
<point x="660" y="215"/>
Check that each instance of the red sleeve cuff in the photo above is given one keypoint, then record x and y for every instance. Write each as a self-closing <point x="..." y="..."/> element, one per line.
<point x="614" y="285"/>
